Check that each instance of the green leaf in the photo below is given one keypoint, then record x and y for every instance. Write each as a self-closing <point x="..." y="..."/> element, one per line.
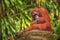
<point x="7" y="3"/>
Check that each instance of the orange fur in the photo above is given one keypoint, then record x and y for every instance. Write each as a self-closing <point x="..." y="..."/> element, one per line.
<point x="41" y="25"/>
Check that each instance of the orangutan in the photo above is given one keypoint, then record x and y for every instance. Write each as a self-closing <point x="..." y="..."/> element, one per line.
<point x="40" y="20"/>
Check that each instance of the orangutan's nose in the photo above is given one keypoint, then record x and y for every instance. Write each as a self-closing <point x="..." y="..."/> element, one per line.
<point x="35" y="13"/>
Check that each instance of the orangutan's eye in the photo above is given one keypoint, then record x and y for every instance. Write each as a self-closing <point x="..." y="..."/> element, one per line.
<point x="35" y="13"/>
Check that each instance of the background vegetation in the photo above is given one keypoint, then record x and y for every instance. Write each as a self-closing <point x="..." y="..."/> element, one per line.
<point x="15" y="15"/>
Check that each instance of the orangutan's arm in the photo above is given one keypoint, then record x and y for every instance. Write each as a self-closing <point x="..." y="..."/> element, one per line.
<point x="36" y="19"/>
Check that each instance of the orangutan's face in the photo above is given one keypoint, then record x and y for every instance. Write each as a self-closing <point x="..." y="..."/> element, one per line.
<point x="36" y="14"/>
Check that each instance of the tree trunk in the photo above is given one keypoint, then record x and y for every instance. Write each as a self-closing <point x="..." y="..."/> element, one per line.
<point x="35" y="35"/>
<point x="0" y="21"/>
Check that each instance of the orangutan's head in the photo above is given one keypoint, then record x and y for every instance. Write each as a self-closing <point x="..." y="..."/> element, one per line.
<point x="35" y="14"/>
